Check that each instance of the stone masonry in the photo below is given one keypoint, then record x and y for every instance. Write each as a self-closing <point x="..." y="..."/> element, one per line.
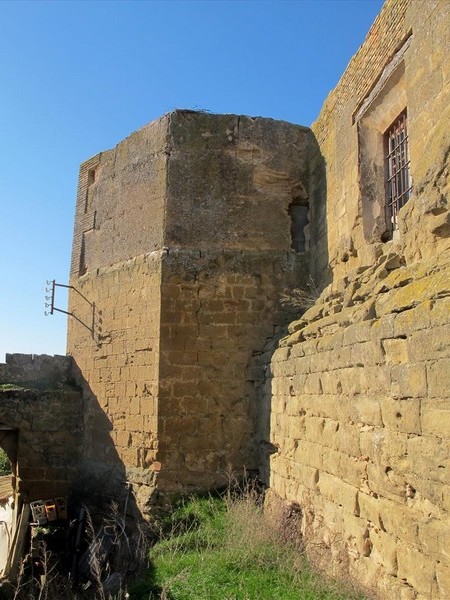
<point x="40" y="424"/>
<point x="187" y="235"/>
<point x="183" y="243"/>
<point x="360" y="419"/>
<point x="359" y="389"/>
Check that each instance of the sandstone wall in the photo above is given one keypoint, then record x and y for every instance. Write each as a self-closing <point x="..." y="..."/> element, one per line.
<point x="358" y="391"/>
<point x="343" y="211"/>
<point x="120" y="201"/>
<point x="183" y="244"/>
<point x="231" y="183"/>
<point x="118" y="369"/>
<point x="34" y="370"/>
<point x="231" y="180"/>
<point x="41" y="424"/>
<point x="219" y="309"/>
<point x="360" y="419"/>
<point x="114" y="337"/>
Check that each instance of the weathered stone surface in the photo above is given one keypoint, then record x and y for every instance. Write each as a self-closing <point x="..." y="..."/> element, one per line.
<point x="41" y="431"/>
<point x="36" y="370"/>
<point x="184" y="242"/>
<point x="395" y="432"/>
<point x="185" y="270"/>
<point x="375" y="388"/>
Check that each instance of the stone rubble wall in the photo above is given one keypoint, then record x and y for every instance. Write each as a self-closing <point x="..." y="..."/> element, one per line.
<point x="360" y="421"/>
<point x="46" y="445"/>
<point x="32" y="369"/>
<point x="41" y="420"/>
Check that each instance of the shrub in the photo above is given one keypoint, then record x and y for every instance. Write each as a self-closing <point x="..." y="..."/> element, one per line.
<point x="5" y="464"/>
<point x="300" y="299"/>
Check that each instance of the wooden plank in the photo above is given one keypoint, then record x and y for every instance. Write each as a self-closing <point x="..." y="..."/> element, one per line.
<point x="12" y="568"/>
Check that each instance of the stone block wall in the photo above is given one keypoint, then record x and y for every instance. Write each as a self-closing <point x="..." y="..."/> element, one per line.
<point x="360" y="419"/>
<point x="115" y="273"/>
<point x="186" y="234"/>
<point x="231" y="180"/>
<point x="358" y="391"/>
<point x="217" y="313"/>
<point x="120" y="201"/>
<point x="41" y="424"/>
<point x="229" y="191"/>
<point x="118" y="369"/>
<point x="413" y="37"/>
<point x="183" y="245"/>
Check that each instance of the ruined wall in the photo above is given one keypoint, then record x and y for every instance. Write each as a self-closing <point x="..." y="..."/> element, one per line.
<point x="359" y="389"/>
<point x="41" y="425"/>
<point x="36" y="369"/>
<point x="185" y="295"/>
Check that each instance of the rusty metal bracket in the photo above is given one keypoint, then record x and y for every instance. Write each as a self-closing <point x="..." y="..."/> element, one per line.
<point x="50" y="307"/>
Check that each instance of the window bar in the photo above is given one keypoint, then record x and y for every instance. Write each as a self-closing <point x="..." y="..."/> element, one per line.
<point x="398" y="176"/>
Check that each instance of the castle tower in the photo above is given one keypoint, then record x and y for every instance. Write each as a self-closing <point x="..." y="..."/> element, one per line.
<point x="185" y="236"/>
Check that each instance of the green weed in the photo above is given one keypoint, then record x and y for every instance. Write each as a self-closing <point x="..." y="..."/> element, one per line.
<point x="5" y="465"/>
<point x="230" y="549"/>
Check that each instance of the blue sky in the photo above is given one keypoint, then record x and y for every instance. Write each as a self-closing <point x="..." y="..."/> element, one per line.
<point x="77" y="77"/>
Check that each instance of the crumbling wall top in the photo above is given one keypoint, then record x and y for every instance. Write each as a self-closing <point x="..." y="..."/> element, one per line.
<point x="36" y="370"/>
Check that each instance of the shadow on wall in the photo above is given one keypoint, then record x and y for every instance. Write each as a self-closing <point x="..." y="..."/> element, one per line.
<point x="101" y="476"/>
<point x="319" y="260"/>
<point x="59" y="444"/>
<point x="8" y="444"/>
<point x="40" y="433"/>
<point x="320" y="277"/>
<point x="116" y="533"/>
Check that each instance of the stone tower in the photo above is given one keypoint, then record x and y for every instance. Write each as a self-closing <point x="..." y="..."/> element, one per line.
<point x="185" y="235"/>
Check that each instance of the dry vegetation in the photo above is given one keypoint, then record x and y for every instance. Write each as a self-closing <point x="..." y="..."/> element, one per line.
<point x="230" y="549"/>
<point x="300" y="299"/>
<point x="209" y="548"/>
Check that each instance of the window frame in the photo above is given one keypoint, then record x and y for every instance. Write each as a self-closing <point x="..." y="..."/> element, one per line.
<point x="398" y="182"/>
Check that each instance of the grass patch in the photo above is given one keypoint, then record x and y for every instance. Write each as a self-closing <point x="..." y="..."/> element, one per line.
<point x="229" y="549"/>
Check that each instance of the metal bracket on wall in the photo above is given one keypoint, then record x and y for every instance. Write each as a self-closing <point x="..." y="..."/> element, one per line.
<point x="50" y="307"/>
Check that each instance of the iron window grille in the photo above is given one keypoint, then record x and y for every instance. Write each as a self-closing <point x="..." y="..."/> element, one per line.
<point x="398" y="178"/>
